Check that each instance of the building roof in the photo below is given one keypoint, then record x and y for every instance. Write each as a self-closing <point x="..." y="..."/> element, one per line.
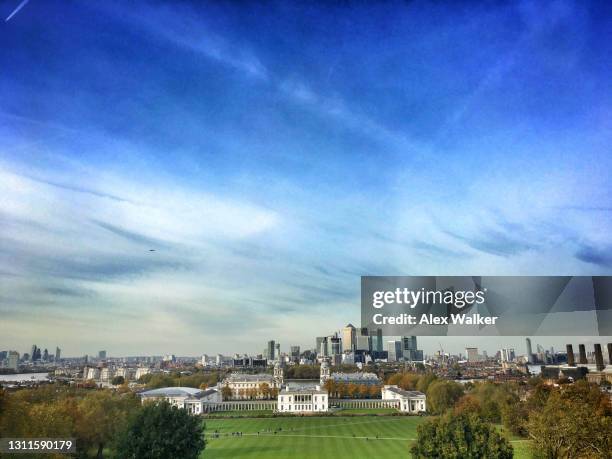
<point x="302" y="391"/>
<point x="177" y="391"/>
<point x="355" y="377"/>
<point x="238" y="377"/>
<point x="406" y="393"/>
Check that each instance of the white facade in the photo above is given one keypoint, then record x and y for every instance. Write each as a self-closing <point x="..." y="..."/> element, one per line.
<point x="411" y="401"/>
<point x="195" y="401"/>
<point x="303" y="401"/>
<point x="242" y="385"/>
<point x="141" y="372"/>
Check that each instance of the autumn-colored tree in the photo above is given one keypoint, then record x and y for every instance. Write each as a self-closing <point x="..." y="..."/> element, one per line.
<point x="352" y="390"/>
<point x="374" y="391"/>
<point x="101" y="417"/>
<point x="409" y="381"/>
<point x="226" y="392"/>
<point x="574" y="422"/>
<point x="364" y="391"/>
<point x="331" y="387"/>
<point x="264" y="390"/>
<point x="442" y="395"/>
<point x="468" y="404"/>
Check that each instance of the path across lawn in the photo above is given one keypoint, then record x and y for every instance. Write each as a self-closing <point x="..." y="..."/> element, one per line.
<point x="317" y="438"/>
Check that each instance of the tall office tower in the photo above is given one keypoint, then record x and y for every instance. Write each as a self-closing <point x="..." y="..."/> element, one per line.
<point x="322" y="346"/>
<point x="394" y="351"/>
<point x="379" y="340"/>
<point x="58" y="354"/>
<point x="277" y="354"/>
<point x="45" y="356"/>
<point x="13" y="360"/>
<point x="102" y="355"/>
<point x="336" y="344"/>
<point x="363" y="344"/>
<point x="472" y="354"/>
<point x="529" y="350"/>
<point x="348" y="337"/>
<point x="507" y="355"/>
<point x="270" y="350"/>
<point x="410" y="343"/>
<point x="295" y="353"/>
<point x="33" y="353"/>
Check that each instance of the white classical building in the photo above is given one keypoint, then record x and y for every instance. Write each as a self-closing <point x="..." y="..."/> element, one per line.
<point x="242" y="384"/>
<point x="303" y="400"/>
<point x="410" y="401"/>
<point x="195" y="401"/>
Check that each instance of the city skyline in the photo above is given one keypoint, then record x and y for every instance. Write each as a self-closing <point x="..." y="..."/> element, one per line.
<point x="429" y="344"/>
<point x="212" y="176"/>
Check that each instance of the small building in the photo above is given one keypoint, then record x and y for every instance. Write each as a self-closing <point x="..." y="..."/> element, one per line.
<point x="195" y="401"/>
<point x="411" y="401"/>
<point x="303" y="400"/>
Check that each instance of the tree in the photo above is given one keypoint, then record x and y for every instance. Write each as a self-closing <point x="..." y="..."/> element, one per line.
<point x="101" y="417"/>
<point x="117" y="380"/>
<point x="226" y="392"/>
<point x="264" y="390"/>
<point x="574" y="422"/>
<point x="162" y="431"/>
<point x="363" y="391"/>
<point x="467" y="404"/>
<point x="425" y="381"/>
<point x="460" y="437"/>
<point x="442" y="395"/>
<point x="351" y="390"/>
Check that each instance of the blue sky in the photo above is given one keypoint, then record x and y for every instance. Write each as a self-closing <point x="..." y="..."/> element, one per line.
<point x="271" y="154"/>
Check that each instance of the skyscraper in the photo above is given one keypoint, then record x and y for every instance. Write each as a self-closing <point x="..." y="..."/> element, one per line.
<point x="379" y="347"/>
<point x="45" y="356"/>
<point x="58" y="354"/>
<point x="336" y="344"/>
<point x="472" y="354"/>
<point x="295" y="353"/>
<point x="348" y="337"/>
<point x="33" y="353"/>
<point x="271" y="348"/>
<point x="394" y="351"/>
<point x="322" y="346"/>
<point x="102" y="355"/>
<point x="529" y="350"/>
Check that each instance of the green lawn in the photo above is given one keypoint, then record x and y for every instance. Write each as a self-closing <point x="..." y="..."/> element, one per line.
<point x="240" y="413"/>
<point x="318" y="438"/>
<point x="367" y="411"/>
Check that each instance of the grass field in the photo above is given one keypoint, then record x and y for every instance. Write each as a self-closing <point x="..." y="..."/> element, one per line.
<point x="318" y="438"/>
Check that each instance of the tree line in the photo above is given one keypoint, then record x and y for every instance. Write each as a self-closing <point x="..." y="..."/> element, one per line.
<point x="104" y="423"/>
<point x="565" y="421"/>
